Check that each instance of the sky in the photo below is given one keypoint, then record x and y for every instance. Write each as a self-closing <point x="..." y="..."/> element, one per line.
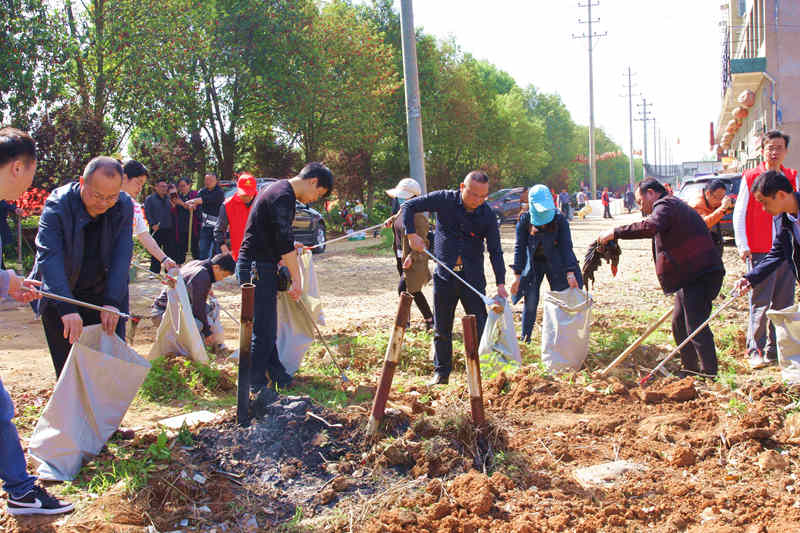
<point x="673" y="48"/>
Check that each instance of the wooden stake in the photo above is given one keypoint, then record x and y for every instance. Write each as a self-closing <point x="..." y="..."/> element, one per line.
<point x="245" y="338"/>
<point x="390" y="363"/>
<point x="473" y="363"/>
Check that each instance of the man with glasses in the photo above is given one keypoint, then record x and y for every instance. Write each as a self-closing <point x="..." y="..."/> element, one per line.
<point x="753" y="230"/>
<point x="158" y="211"/>
<point x="83" y="251"/>
<point x="464" y="222"/>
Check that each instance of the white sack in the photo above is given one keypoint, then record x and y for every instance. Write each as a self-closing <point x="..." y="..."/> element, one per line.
<point x="565" y="329"/>
<point x="295" y="331"/>
<point x="499" y="345"/>
<point x="99" y="381"/>
<point x="178" y="331"/>
<point x="212" y="314"/>
<point x="787" y="334"/>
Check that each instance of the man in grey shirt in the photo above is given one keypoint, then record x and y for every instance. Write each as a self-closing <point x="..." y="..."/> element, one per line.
<point x="158" y="211"/>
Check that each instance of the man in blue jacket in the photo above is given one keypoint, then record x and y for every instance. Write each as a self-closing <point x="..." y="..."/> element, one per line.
<point x="775" y="193"/>
<point x="83" y="251"/>
<point x="464" y="222"/>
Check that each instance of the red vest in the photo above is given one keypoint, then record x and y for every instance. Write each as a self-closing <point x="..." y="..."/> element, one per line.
<point x="758" y="223"/>
<point x="236" y="211"/>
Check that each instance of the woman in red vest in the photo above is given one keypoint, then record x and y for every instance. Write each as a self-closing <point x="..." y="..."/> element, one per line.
<point x="233" y="215"/>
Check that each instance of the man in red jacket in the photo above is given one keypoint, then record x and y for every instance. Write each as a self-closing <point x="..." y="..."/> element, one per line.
<point x="753" y="230"/>
<point x="233" y="215"/>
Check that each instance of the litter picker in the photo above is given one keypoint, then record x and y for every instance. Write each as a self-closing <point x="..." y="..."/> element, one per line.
<point x="493" y="304"/>
<point x="76" y="302"/>
<point x="227" y="313"/>
<point x="343" y="237"/>
<point x="731" y="299"/>
<point x="322" y="339"/>
<point x="189" y="244"/>
<point x="637" y="342"/>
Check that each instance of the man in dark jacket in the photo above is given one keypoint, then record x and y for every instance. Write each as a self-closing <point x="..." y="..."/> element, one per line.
<point x="210" y="201"/>
<point x="465" y="221"/>
<point x="199" y="275"/>
<point x="158" y="211"/>
<point x="83" y="251"/>
<point x="775" y="192"/>
<point x="687" y="264"/>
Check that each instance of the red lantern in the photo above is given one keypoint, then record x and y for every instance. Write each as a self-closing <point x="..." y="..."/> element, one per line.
<point x="747" y="98"/>
<point x="740" y="113"/>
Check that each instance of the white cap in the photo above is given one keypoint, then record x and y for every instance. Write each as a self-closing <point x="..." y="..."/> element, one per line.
<point x="407" y="188"/>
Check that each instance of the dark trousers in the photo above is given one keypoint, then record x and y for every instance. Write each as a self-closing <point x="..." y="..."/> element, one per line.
<point x="54" y="329"/>
<point x="607" y="211"/>
<point x="263" y="347"/>
<point x="206" y="247"/>
<point x="692" y="308"/>
<point x="419" y="298"/>
<point x="165" y="238"/>
<point x="446" y="295"/>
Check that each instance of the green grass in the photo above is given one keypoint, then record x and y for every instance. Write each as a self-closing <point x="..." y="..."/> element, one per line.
<point x="383" y="248"/>
<point x="177" y="379"/>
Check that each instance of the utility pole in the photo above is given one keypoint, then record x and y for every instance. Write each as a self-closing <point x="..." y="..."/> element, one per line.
<point x="416" y="154"/>
<point x="645" y="117"/>
<point x="631" y="177"/>
<point x="589" y="35"/>
<point x="655" y="146"/>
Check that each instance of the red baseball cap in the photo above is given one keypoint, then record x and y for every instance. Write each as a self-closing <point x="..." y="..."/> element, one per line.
<point x="247" y="185"/>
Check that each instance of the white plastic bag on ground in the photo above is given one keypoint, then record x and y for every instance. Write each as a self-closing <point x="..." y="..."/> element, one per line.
<point x="499" y="346"/>
<point x="295" y="331"/>
<point x="212" y="313"/>
<point x="178" y="331"/>
<point x="787" y="334"/>
<point x="99" y="381"/>
<point x="565" y="329"/>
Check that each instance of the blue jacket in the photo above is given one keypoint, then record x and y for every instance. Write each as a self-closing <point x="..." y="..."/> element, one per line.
<point x="784" y="248"/>
<point x="60" y="243"/>
<point x="460" y="234"/>
<point x="557" y="248"/>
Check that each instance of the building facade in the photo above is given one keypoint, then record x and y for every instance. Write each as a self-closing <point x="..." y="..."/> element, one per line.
<point x="760" y="53"/>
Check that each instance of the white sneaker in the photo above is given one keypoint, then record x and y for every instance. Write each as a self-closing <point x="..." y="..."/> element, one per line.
<point x="757" y="360"/>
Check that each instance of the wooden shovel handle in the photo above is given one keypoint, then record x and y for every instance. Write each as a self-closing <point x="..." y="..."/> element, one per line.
<point x="637" y="342"/>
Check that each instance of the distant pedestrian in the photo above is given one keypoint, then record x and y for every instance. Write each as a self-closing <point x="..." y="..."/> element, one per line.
<point x="182" y="214"/>
<point x="563" y="202"/>
<point x="630" y="201"/>
<point x="606" y="200"/>
<point x="580" y="199"/>
<point x="210" y="200"/>
<point x="158" y="211"/>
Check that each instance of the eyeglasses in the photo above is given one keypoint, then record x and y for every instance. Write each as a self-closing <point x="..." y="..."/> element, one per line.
<point x="100" y="198"/>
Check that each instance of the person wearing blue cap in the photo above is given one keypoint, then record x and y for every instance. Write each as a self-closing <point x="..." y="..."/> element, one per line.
<point x="464" y="222"/>
<point x="543" y="248"/>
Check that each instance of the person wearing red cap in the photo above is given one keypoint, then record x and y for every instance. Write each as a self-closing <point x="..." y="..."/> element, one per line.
<point x="233" y="215"/>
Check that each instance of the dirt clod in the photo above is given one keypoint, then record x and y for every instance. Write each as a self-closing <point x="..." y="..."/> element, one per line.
<point x="682" y="456"/>
<point x="771" y="460"/>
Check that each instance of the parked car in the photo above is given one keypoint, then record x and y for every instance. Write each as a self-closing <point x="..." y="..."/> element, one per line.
<point x="308" y="226"/>
<point x="693" y="187"/>
<point x="506" y="203"/>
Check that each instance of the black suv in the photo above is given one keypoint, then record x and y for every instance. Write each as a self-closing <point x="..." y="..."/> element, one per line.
<point x="507" y="203"/>
<point x="693" y="188"/>
<point x="308" y="225"/>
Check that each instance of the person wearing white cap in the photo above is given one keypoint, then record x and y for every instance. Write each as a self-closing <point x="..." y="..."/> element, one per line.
<point x="412" y="266"/>
<point x="543" y="248"/>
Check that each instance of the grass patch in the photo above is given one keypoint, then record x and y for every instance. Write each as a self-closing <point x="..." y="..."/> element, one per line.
<point x="382" y="248"/>
<point x="173" y="378"/>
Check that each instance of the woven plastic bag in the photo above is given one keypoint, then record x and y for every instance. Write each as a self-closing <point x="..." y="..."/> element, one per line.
<point x="566" y="318"/>
<point x="98" y="383"/>
<point x="499" y="347"/>
<point x="178" y="333"/>
<point x="787" y="335"/>
<point x="295" y="331"/>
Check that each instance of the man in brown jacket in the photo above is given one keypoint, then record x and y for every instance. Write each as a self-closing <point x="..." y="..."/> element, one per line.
<point x="412" y="266"/>
<point x="687" y="264"/>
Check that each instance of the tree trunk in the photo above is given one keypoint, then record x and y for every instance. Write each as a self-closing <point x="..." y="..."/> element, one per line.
<point x="228" y="152"/>
<point x="370" y="181"/>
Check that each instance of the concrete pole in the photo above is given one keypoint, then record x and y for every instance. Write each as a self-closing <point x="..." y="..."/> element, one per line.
<point x="655" y="145"/>
<point x="644" y="123"/>
<point x="631" y="177"/>
<point x="592" y="161"/>
<point x="416" y="154"/>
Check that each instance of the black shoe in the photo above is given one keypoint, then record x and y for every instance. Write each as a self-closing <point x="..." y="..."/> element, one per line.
<point x="37" y="501"/>
<point x="439" y="378"/>
<point x="429" y="325"/>
<point x="282" y="381"/>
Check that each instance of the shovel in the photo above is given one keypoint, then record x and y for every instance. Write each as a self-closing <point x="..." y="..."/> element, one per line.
<point x="635" y="344"/>
<point x="649" y="376"/>
<point x="322" y="339"/>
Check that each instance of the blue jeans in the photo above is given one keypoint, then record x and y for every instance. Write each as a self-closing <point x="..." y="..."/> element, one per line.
<point x="206" y="247"/>
<point x="446" y="295"/>
<point x="16" y="480"/>
<point x="557" y="281"/>
<point x="263" y="347"/>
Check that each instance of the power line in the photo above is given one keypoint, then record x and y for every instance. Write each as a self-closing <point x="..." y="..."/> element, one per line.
<point x="645" y="114"/>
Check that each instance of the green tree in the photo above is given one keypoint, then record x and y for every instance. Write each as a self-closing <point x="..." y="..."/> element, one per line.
<point x="560" y="143"/>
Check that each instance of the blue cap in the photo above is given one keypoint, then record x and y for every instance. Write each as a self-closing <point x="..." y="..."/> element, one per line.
<point x="540" y="205"/>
